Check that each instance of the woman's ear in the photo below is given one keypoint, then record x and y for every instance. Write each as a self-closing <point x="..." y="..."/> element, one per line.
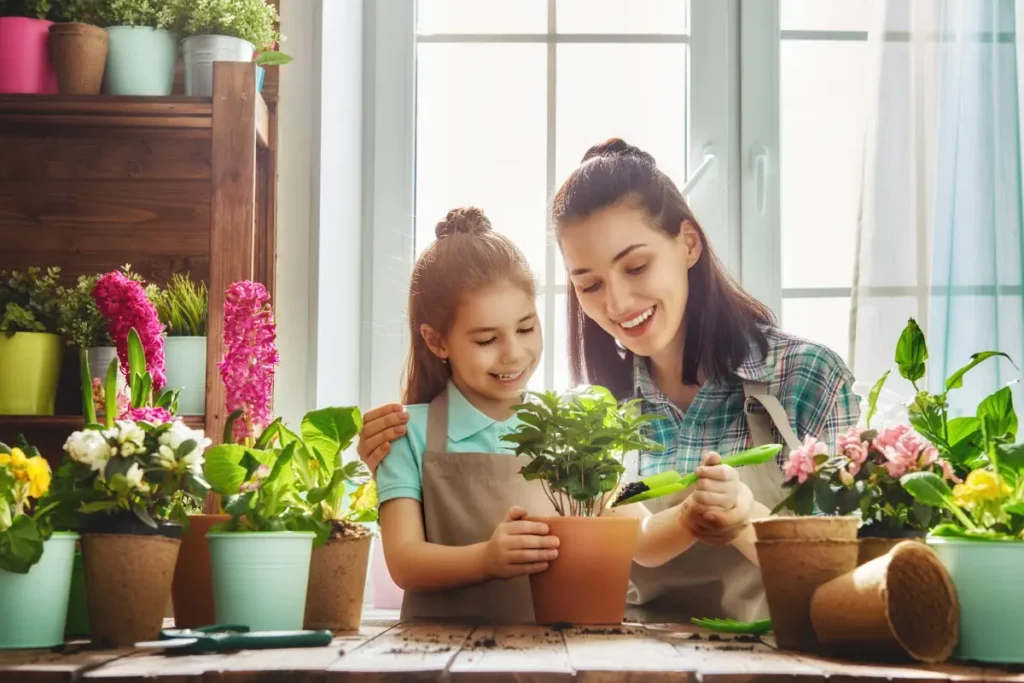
<point x="434" y="341"/>
<point x="690" y="243"/>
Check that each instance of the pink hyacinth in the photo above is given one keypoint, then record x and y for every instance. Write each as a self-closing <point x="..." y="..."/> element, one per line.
<point x="247" y="368"/>
<point x="123" y="302"/>
<point x="853" y="448"/>
<point x="801" y="462"/>
<point x="151" y="414"/>
<point x="904" y="450"/>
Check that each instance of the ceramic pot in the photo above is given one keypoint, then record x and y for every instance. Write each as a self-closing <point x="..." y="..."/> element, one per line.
<point x="27" y="67"/>
<point x="140" y="61"/>
<point x="35" y="605"/>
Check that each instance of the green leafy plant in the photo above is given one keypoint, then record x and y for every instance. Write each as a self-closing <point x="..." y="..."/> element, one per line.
<point x="576" y="442"/>
<point x="252" y="20"/>
<point x="51" y="10"/>
<point x="183" y="307"/>
<point x="24" y="522"/>
<point x="158" y="14"/>
<point x="81" y="322"/>
<point x="28" y="300"/>
<point x="272" y="58"/>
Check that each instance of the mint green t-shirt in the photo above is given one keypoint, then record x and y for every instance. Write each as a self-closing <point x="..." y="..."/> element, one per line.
<point x="400" y="473"/>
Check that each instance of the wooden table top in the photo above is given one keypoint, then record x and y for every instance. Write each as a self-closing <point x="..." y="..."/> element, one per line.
<point x="388" y="650"/>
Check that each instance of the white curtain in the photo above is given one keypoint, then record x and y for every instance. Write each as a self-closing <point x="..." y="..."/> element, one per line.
<point x="940" y="233"/>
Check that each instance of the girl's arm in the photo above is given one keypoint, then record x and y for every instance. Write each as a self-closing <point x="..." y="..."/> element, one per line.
<point x="662" y="536"/>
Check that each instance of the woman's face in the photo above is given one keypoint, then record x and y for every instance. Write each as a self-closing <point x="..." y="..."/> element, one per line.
<point x="631" y="278"/>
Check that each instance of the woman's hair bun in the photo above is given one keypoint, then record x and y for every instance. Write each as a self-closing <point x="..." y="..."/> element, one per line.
<point x="617" y="147"/>
<point x="467" y="220"/>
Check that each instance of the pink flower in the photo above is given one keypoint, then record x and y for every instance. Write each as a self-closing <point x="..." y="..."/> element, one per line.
<point x="801" y="462"/>
<point x="853" y="448"/>
<point x="947" y="471"/>
<point x="247" y="368"/>
<point x="903" y="450"/>
<point x="123" y="302"/>
<point x="151" y="414"/>
<point x="256" y="480"/>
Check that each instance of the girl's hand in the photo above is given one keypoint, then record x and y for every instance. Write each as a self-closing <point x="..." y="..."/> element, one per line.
<point x="518" y="547"/>
<point x="719" y="508"/>
<point x="381" y="426"/>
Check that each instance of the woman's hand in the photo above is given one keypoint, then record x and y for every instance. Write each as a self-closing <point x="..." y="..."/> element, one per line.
<point x="718" y="510"/>
<point x="381" y="426"/>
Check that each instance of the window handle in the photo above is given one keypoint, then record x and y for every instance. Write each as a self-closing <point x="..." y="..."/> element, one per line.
<point x="759" y="165"/>
<point x="694" y="180"/>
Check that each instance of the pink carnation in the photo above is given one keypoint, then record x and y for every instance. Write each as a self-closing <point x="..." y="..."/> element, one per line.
<point x="801" y="462"/>
<point x="123" y="302"/>
<point x="151" y="414"/>
<point x="904" y="450"/>
<point x="247" y="368"/>
<point x="852" y="447"/>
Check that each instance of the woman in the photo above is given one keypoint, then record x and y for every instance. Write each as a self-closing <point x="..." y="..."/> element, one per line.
<point x="652" y="314"/>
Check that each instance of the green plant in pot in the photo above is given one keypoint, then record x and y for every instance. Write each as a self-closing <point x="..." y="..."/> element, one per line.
<point x="85" y="329"/>
<point x="142" y="45"/>
<point x="573" y="445"/>
<point x="31" y="347"/>
<point x="183" y="309"/>
<point x="227" y="31"/>
<point x="35" y="561"/>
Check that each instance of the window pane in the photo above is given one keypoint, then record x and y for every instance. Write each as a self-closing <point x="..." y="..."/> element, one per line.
<point x="616" y="16"/>
<point x="646" y="108"/>
<point x="481" y="16"/>
<point x="481" y="136"/>
<point x="555" y="343"/>
<point x="826" y="321"/>
<point x="823" y="111"/>
<point x="826" y="15"/>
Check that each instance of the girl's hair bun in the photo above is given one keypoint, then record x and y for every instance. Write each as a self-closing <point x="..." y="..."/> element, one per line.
<point x="467" y="220"/>
<point x="617" y="147"/>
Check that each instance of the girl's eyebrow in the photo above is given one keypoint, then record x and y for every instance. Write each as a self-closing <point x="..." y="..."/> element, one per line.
<point x="478" y="330"/>
<point x="618" y="257"/>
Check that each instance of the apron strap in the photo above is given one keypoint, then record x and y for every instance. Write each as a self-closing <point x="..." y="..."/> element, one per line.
<point x="761" y="424"/>
<point x="437" y="423"/>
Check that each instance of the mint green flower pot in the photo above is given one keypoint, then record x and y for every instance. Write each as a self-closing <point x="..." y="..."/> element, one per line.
<point x="260" y="578"/>
<point x="140" y="61"/>
<point x="34" y="606"/>
<point x="987" y="577"/>
<point x="185" y="362"/>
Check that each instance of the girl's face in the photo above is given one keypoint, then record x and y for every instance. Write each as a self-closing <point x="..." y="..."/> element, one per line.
<point x="630" y="278"/>
<point x="494" y="344"/>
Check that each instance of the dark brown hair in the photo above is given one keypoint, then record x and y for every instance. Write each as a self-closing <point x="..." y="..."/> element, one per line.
<point x="466" y="256"/>
<point x="721" y="320"/>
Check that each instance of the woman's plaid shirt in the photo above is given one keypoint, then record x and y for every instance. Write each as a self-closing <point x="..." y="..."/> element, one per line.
<point x="810" y="380"/>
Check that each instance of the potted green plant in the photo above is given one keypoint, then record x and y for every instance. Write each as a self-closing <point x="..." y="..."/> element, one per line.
<point x="343" y="500"/>
<point x="35" y="560"/>
<point x="84" y="328"/>
<point x="226" y="31"/>
<point x="24" y="52"/>
<point x="31" y="347"/>
<point x="79" y="48"/>
<point x="575" y="444"/>
<point x="183" y="308"/>
<point x="142" y="48"/>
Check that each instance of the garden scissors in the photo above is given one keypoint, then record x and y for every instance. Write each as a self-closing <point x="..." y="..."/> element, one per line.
<point x="225" y="637"/>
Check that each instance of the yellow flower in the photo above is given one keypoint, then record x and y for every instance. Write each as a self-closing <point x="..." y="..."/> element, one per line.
<point x="18" y="458"/>
<point x="980" y="485"/>
<point x="5" y="459"/>
<point x="38" y="471"/>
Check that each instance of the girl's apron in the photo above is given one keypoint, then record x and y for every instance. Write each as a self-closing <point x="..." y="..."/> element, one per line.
<point x="465" y="496"/>
<point x="707" y="580"/>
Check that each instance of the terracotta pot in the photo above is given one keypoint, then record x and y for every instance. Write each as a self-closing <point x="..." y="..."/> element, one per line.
<point x="337" y="582"/>
<point x="192" y="588"/>
<point x="900" y="605"/>
<point x="127" y="581"/>
<point x="79" y="57"/>
<point x="587" y="582"/>
<point x="795" y="527"/>
<point x="791" y="570"/>
<point x="872" y="546"/>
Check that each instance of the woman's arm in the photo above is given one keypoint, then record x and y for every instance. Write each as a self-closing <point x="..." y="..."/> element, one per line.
<point x="662" y="536"/>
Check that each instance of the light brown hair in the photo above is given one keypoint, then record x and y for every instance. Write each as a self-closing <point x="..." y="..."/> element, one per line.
<point x="467" y="255"/>
<point x="721" y="319"/>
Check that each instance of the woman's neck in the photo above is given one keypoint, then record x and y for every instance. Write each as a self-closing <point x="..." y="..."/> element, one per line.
<point x="666" y="368"/>
<point x="496" y="409"/>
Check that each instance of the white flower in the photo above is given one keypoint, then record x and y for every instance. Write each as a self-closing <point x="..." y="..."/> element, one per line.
<point x="89" y="448"/>
<point x="179" y="434"/>
<point x="165" y="457"/>
<point x="134" y="476"/>
<point x="130" y="433"/>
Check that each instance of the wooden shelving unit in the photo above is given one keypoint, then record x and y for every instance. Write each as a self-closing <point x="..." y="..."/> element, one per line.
<point x="166" y="184"/>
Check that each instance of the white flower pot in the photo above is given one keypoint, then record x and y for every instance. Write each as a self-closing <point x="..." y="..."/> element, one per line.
<point x="185" y="363"/>
<point x="100" y="358"/>
<point x="200" y="52"/>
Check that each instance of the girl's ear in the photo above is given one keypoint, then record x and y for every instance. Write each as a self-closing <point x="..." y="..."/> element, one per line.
<point x="690" y="243"/>
<point x="434" y="341"/>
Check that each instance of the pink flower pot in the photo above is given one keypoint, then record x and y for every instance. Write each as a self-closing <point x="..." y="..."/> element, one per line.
<point x="25" y="63"/>
<point x="386" y="593"/>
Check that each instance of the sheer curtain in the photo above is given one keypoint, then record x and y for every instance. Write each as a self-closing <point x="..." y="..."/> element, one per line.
<point x="940" y="232"/>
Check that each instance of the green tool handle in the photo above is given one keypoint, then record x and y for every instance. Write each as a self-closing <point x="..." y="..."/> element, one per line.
<point x="753" y="456"/>
<point x="261" y="640"/>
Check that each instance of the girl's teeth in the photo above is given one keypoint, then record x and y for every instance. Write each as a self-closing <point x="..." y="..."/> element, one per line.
<point x="507" y="377"/>
<point x="639" y="319"/>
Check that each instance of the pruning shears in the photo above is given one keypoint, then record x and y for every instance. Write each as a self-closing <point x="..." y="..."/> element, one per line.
<point x="227" y="637"/>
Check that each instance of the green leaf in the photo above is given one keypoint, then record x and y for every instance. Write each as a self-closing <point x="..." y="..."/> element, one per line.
<point x="1016" y="508"/>
<point x="1011" y="456"/>
<point x="331" y="430"/>
<point x="824" y="496"/>
<point x="229" y="425"/>
<point x="911" y="352"/>
<point x="873" y="397"/>
<point x="956" y="380"/>
<point x="268" y="434"/>
<point x="110" y="393"/>
<point x="222" y="468"/>
<point x="136" y="355"/>
<point x="929" y="488"/>
<point x="998" y="418"/>
<point x="21" y="546"/>
<point x="85" y="378"/>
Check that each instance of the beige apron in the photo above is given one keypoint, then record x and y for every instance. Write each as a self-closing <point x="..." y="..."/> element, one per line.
<point x="707" y="580"/>
<point x="465" y="496"/>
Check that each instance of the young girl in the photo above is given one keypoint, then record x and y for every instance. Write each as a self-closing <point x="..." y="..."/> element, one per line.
<point x="452" y="501"/>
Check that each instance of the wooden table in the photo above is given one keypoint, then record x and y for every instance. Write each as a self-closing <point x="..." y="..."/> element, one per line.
<point x="387" y="650"/>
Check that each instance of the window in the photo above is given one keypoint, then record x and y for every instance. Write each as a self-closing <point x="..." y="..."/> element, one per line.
<point x="494" y="103"/>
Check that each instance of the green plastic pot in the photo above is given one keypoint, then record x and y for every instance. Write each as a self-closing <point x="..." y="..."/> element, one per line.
<point x="35" y="605"/>
<point x="29" y="372"/>
<point x="185" y="360"/>
<point x="140" y="61"/>
<point x="986" y="575"/>
<point x="260" y="578"/>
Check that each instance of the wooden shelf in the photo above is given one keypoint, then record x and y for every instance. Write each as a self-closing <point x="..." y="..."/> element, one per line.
<point x="70" y="422"/>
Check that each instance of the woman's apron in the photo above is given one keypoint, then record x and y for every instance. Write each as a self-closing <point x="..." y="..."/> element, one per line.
<point x="707" y="580"/>
<point x="465" y="496"/>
